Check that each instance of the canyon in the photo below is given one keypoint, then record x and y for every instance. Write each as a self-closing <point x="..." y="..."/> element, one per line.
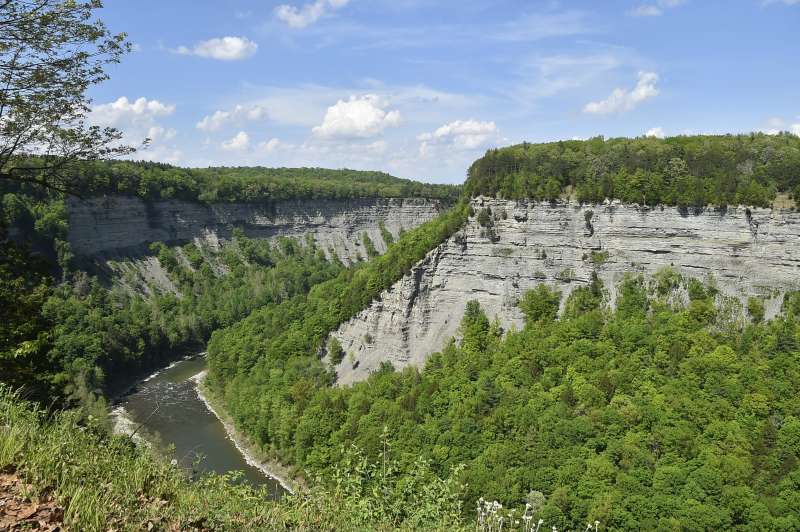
<point x="743" y="252"/>
<point x="110" y="235"/>
<point x="120" y="225"/>
<point x="506" y="248"/>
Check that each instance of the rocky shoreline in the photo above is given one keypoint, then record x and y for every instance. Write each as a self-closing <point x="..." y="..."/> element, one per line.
<point x="271" y="469"/>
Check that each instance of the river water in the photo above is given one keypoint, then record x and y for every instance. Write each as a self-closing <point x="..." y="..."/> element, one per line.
<point x="170" y="412"/>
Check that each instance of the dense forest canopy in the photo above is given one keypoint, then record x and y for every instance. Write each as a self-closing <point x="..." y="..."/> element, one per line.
<point x="687" y="171"/>
<point x="654" y="415"/>
<point x="151" y="180"/>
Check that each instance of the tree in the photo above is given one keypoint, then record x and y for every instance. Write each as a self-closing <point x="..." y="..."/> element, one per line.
<point x="539" y="304"/>
<point x="51" y="52"/>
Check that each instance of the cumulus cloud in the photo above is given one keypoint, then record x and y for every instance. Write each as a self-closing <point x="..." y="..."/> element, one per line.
<point x="237" y="115"/>
<point x="657" y="8"/>
<point x="123" y="112"/>
<point x="359" y="117"/>
<point x="459" y="135"/>
<point x="622" y="100"/>
<point x="139" y="119"/>
<point x="796" y="129"/>
<point x="271" y="145"/>
<point x="240" y="142"/>
<point x="222" y="48"/>
<point x="159" y="133"/>
<point x="301" y="17"/>
<point x="657" y="132"/>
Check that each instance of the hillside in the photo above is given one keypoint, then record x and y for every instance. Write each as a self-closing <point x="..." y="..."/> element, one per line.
<point x="508" y="247"/>
<point x="58" y="472"/>
<point x="547" y="346"/>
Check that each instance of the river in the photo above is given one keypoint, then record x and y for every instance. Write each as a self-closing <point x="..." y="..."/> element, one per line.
<point x="170" y="412"/>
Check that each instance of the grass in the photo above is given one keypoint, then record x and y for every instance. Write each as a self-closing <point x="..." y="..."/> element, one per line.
<point x="106" y="482"/>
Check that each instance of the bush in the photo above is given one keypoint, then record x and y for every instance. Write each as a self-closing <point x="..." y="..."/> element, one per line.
<point x="755" y="309"/>
<point x="539" y="304"/>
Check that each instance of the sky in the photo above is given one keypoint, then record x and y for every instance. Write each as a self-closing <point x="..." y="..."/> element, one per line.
<point x="421" y="88"/>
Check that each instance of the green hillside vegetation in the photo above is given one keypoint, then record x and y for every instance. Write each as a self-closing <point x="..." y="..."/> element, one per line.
<point x="152" y="181"/>
<point x="74" y="341"/>
<point x="650" y="416"/>
<point x="108" y="483"/>
<point x="687" y="171"/>
<point x="268" y="364"/>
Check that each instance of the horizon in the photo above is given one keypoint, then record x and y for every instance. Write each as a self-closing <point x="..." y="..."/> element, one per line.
<point x="420" y="89"/>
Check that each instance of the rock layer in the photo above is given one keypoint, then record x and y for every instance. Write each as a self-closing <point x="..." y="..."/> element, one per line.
<point x="111" y="226"/>
<point x="747" y="252"/>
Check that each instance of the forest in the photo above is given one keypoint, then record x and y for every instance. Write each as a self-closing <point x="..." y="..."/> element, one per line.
<point x="153" y="181"/>
<point x="687" y="171"/>
<point x="652" y="415"/>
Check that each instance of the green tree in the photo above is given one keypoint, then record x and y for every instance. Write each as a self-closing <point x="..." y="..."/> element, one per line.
<point x="51" y="52"/>
<point x="539" y="304"/>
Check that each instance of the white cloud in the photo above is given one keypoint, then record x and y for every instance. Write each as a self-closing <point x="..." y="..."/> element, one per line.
<point x="271" y="145"/>
<point x="774" y="126"/>
<point x="359" y="117"/>
<point x="224" y="48"/>
<point x="785" y="2"/>
<point x="240" y="142"/>
<point x="646" y="11"/>
<point x="138" y="119"/>
<point x="237" y="115"/>
<point x="657" y="8"/>
<point x="164" y="154"/>
<point x="536" y="26"/>
<point x="460" y="135"/>
<point x="777" y="125"/>
<point x="301" y="17"/>
<point x="123" y="112"/>
<point x="657" y="132"/>
<point x="622" y="100"/>
<point x="159" y="133"/>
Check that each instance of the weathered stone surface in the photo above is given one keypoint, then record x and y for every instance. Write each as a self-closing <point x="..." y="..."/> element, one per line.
<point x="104" y="227"/>
<point x="756" y="255"/>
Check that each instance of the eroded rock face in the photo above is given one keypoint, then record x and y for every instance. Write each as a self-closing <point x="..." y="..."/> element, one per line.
<point x="749" y="252"/>
<point x="103" y="227"/>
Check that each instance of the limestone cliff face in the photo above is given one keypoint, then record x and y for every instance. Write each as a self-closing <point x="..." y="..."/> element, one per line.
<point x="748" y="252"/>
<point x="106" y="227"/>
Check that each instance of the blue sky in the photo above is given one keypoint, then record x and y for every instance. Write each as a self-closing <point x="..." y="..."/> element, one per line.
<point x="421" y="88"/>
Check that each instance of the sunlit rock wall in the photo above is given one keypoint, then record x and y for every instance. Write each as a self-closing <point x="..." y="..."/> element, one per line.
<point x="755" y="254"/>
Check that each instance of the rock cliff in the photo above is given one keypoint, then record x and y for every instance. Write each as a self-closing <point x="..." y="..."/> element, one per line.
<point x="113" y="226"/>
<point x="747" y="253"/>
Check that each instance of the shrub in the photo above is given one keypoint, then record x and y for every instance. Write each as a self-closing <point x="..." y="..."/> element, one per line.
<point x="755" y="309"/>
<point x="539" y="304"/>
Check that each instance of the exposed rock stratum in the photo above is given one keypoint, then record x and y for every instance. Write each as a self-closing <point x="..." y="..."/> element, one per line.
<point x="745" y="252"/>
<point x="113" y="225"/>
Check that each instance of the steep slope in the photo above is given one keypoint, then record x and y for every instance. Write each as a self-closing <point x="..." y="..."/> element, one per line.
<point x="114" y="225"/>
<point x="747" y="252"/>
